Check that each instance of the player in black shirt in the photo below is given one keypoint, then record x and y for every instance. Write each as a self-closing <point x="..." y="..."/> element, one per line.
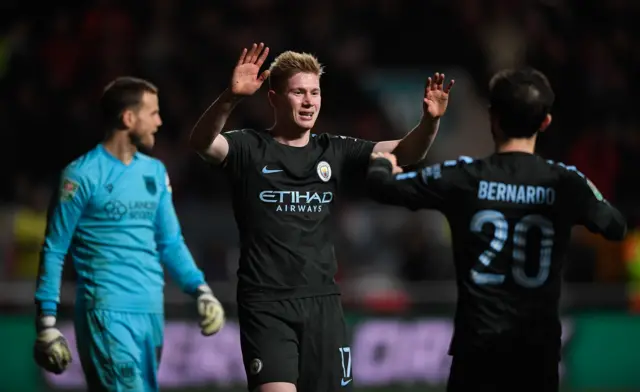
<point x="511" y="216"/>
<point x="284" y="183"/>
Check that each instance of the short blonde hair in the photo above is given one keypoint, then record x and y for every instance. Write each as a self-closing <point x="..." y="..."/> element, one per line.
<point x="290" y="63"/>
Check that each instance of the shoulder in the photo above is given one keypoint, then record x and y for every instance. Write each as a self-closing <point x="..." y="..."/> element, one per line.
<point x="337" y="138"/>
<point x="574" y="178"/>
<point x="83" y="168"/>
<point x="149" y="161"/>
<point x="80" y="176"/>
<point x="463" y="162"/>
<point x="245" y="134"/>
<point x="345" y="144"/>
<point x="156" y="166"/>
<point x="565" y="170"/>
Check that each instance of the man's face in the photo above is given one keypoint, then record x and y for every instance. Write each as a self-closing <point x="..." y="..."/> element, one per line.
<point x="146" y="121"/>
<point x="301" y="100"/>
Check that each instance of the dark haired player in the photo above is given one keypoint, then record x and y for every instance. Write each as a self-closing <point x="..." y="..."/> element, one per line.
<point x="114" y="214"/>
<point x="284" y="182"/>
<point x="511" y="216"/>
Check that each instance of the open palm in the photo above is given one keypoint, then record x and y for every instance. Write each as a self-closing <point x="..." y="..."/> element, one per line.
<point x="436" y="98"/>
<point x="246" y="78"/>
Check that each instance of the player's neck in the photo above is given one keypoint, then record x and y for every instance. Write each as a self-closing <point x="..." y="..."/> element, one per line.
<point x="517" y="145"/>
<point x="119" y="145"/>
<point x="289" y="136"/>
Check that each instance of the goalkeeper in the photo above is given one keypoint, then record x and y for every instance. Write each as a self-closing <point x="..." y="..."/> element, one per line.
<point x="114" y="214"/>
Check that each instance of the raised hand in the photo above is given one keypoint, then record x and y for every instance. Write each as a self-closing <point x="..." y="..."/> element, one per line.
<point x="245" y="79"/>
<point x="436" y="98"/>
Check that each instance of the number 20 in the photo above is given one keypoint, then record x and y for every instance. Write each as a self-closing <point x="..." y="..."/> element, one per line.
<point x="501" y="236"/>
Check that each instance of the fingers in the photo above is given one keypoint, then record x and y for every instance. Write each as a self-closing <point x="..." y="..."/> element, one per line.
<point x="427" y="86"/>
<point x="449" y="86"/>
<point x="263" y="56"/>
<point x="396" y="170"/>
<point x="242" y="57"/>
<point x="264" y="75"/>
<point x="256" y="54"/>
<point x="386" y="155"/>
<point x="435" y="82"/>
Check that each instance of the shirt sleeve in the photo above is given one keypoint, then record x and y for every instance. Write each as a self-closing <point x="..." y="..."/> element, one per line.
<point x="426" y="188"/>
<point x="355" y="154"/>
<point x="65" y="210"/>
<point x="238" y="155"/>
<point x="172" y="248"/>
<point x="592" y="210"/>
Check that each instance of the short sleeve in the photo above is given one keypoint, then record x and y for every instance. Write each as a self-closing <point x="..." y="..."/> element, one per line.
<point x="355" y="154"/>
<point x="239" y="148"/>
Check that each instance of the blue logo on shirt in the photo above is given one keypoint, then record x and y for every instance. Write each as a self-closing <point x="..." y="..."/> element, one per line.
<point x="150" y="183"/>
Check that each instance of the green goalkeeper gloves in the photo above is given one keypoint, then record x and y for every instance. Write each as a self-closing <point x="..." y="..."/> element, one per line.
<point x="51" y="349"/>
<point x="210" y="310"/>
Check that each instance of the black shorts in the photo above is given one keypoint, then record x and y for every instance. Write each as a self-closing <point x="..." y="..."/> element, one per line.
<point x="523" y="371"/>
<point x="301" y="341"/>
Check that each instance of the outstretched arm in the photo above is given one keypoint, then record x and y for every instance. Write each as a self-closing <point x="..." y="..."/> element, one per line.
<point x="424" y="188"/>
<point x="415" y="145"/>
<point x="205" y="137"/>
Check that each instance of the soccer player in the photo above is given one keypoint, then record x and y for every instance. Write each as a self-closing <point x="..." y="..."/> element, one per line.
<point x="284" y="182"/>
<point x="511" y="216"/>
<point x="115" y="214"/>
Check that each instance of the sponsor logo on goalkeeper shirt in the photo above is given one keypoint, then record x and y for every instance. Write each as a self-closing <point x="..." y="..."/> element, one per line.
<point x="296" y="201"/>
<point x="117" y="210"/>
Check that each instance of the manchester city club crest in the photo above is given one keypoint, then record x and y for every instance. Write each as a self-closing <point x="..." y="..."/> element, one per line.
<point x="150" y="183"/>
<point x="324" y="171"/>
<point x="255" y="366"/>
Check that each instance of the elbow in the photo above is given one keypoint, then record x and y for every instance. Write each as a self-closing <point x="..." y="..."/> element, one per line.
<point x="618" y="233"/>
<point x="197" y="143"/>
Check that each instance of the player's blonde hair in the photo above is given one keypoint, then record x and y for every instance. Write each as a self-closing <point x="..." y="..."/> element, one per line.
<point x="290" y="63"/>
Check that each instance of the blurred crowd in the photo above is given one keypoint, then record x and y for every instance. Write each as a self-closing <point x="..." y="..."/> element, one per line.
<point x="54" y="61"/>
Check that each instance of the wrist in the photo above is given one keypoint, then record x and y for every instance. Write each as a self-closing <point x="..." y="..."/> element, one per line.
<point x="230" y="97"/>
<point x="47" y="308"/>
<point x="45" y="322"/>
<point x="428" y="121"/>
<point x="381" y="164"/>
<point x="203" y="289"/>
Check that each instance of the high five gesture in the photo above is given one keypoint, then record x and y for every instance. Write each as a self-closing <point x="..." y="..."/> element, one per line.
<point x="436" y="97"/>
<point x="246" y="79"/>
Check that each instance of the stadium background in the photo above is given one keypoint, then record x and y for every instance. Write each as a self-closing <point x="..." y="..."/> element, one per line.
<point x="395" y="266"/>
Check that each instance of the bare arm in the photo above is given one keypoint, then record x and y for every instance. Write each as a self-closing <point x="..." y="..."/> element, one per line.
<point x="205" y="137"/>
<point x="415" y="145"/>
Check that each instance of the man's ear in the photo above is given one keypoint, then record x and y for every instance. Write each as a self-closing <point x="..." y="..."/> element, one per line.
<point x="545" y="123"/>
<point x="272" y="96"/>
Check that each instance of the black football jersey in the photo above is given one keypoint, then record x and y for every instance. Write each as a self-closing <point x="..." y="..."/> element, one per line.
<point x="510" y="216"/>
<point x="282" y="199"/>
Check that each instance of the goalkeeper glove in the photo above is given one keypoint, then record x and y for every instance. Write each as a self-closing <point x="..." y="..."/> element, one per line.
<point x="51" y="349"/>
<point x="210" y="310"/>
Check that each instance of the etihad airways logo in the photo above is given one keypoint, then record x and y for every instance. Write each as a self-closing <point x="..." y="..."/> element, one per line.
<point x="296" y="201"/>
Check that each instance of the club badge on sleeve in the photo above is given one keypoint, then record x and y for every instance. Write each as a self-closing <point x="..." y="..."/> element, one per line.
<point x="68" y="189"/>
<point x="168" y="183"/>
